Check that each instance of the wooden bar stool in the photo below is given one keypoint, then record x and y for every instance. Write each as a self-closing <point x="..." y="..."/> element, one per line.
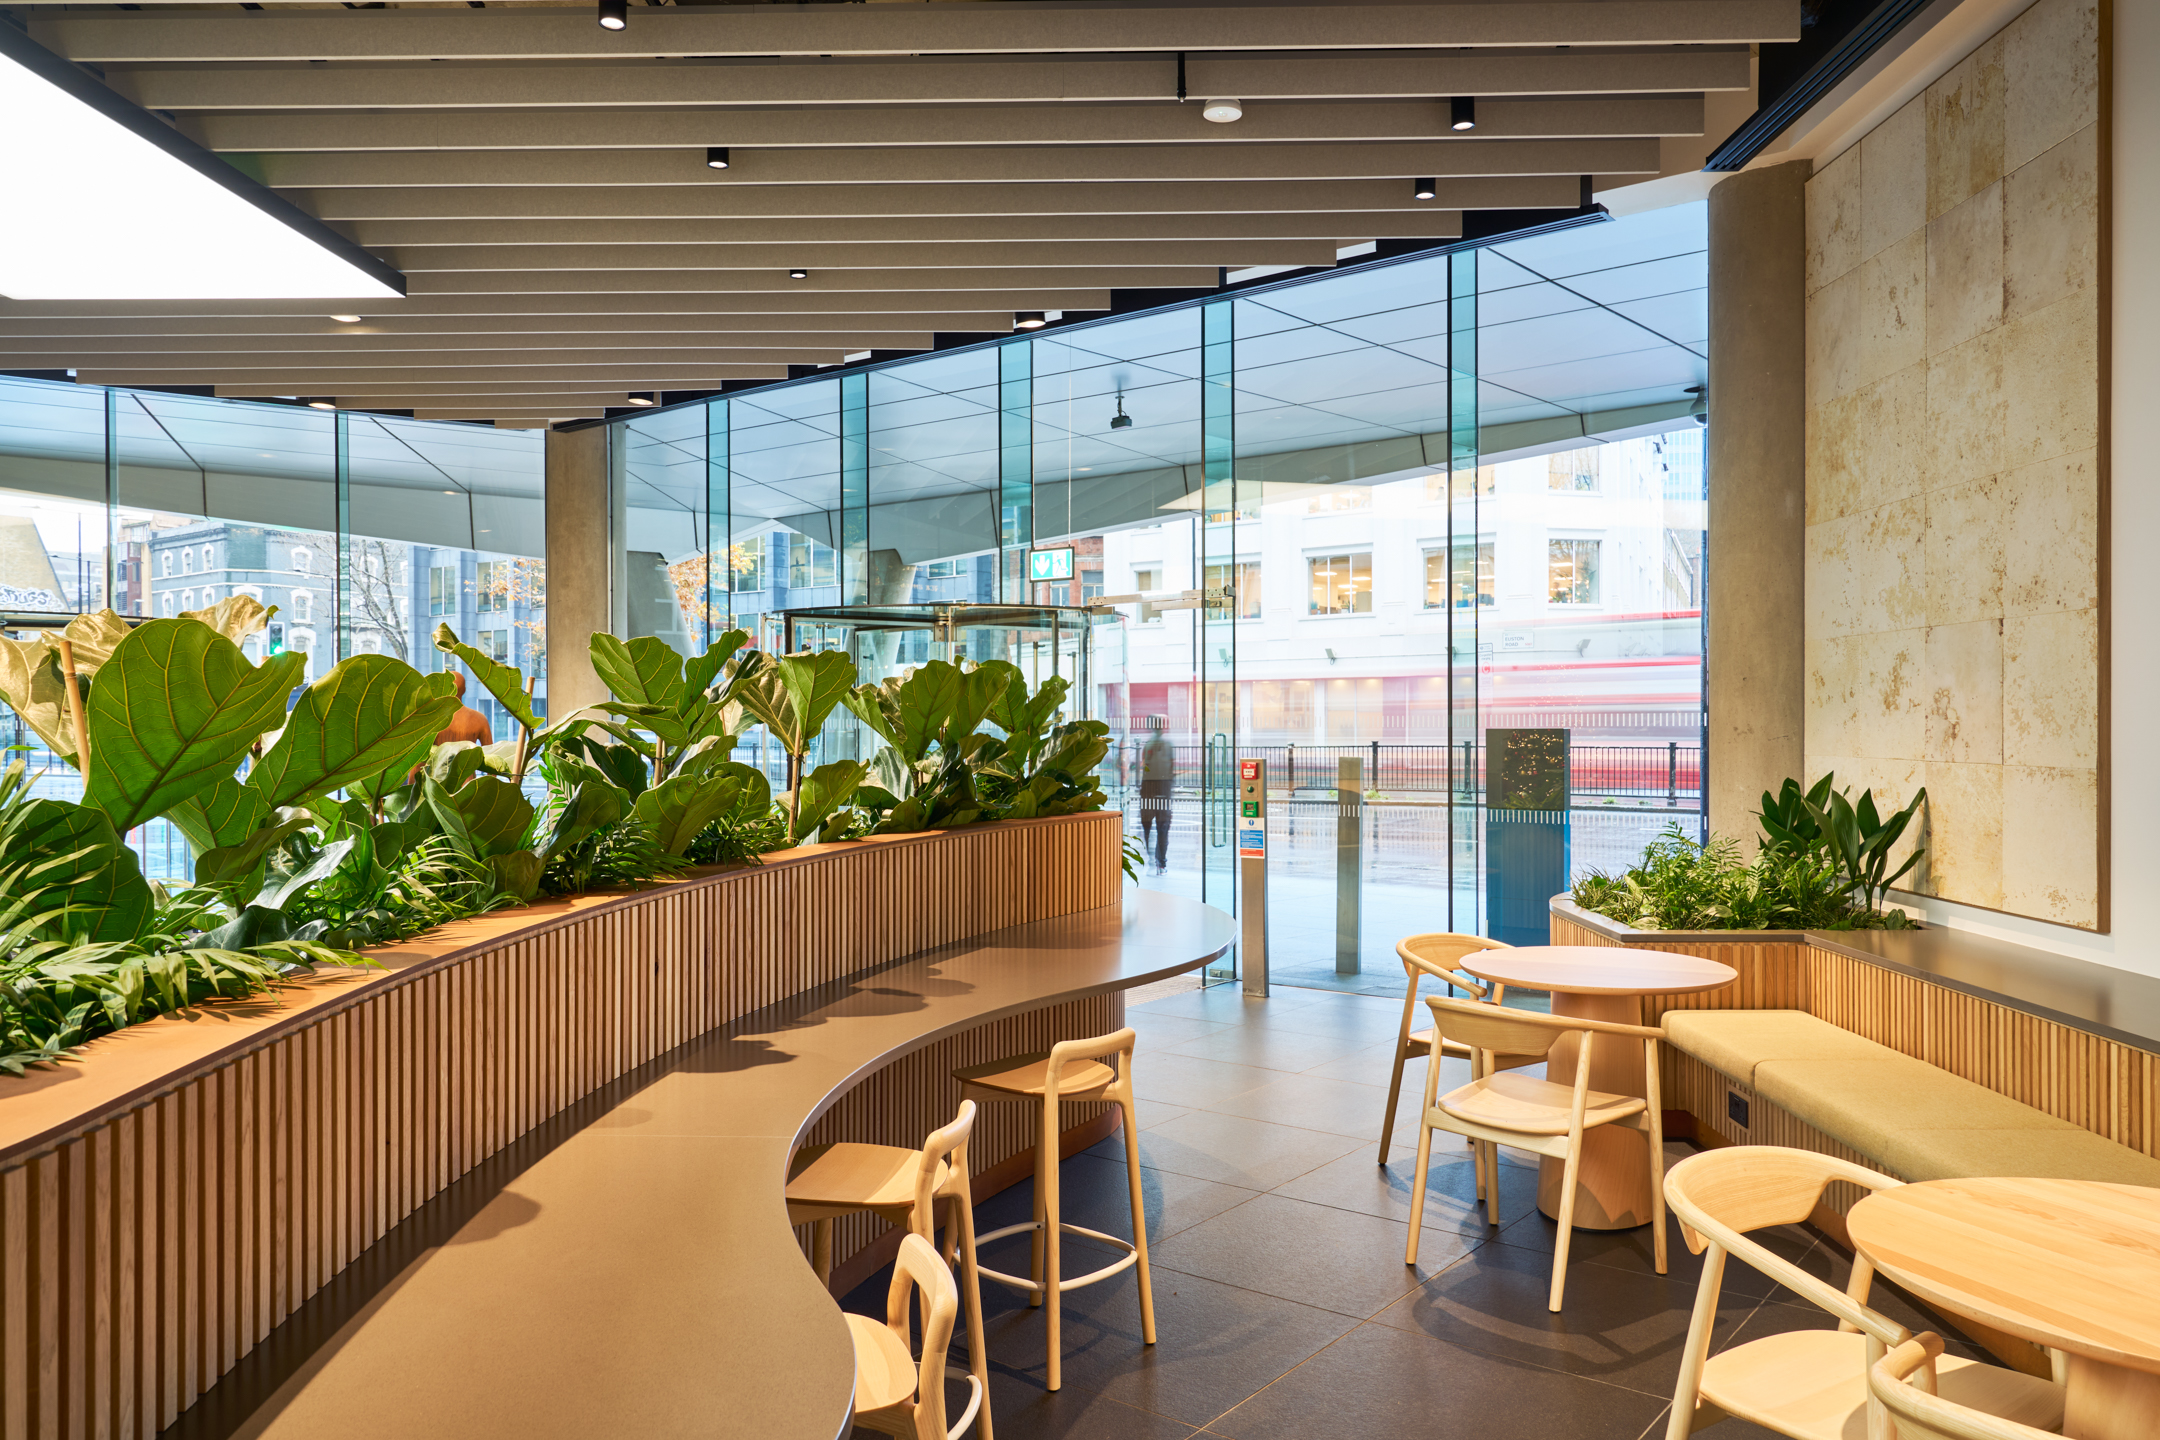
<point x="1434" y="956"/>
<point x="903" y="1187"/>
<point x="1072" y="1070"/>
<point x="894" y="1393"/>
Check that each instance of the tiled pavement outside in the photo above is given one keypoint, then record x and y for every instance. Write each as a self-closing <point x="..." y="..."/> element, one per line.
<point x="1283" y="1307"/>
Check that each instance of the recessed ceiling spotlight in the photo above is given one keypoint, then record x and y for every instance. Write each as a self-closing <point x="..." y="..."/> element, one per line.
<point x="1423" y="189"/>
<point x="319" y="402"/>
<point x="798" y="274"/>
<point x="346" y="319"/>
<point x="716" y="157"/>
<point x="614" y="14"/>
<point x="1029" y="320"/>
<point x="1222" y="112"/>
<point x="1462" y="113"/>
<point x="643" y="397"/>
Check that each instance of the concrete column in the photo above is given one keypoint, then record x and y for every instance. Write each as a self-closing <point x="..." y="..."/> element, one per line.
<point x="1755" y="676"/>
<point x="578" y="543"/>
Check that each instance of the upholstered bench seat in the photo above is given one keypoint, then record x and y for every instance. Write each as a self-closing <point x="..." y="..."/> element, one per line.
<point x="1916" y="1120"/>
<point x="1734" y="1042"/>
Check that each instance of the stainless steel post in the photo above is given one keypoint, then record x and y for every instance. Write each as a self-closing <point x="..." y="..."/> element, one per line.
<point x="1349" y="860"/>
<point x="1252" y="875"/>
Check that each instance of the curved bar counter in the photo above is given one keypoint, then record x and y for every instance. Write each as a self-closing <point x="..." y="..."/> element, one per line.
<point x="640" y="1277"/>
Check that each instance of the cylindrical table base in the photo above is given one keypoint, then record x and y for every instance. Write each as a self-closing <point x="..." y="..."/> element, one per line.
<point x="1612" y="1187"/>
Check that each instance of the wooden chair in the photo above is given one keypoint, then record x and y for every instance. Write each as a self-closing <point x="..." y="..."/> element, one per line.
<point x="1500" y="1107"/>
<point x="1917" y="1413"/>
<point x="1436" y="956"/>
<point x="1810" y="1384"/>
<point x="1072" y="1072"/>
<point x="904" y="1187"/>
<point x="895" y="1394"/>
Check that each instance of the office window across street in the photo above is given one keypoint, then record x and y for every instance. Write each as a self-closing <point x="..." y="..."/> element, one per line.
<point x="1341" y="584"/>
<point x="1572" y="571"/>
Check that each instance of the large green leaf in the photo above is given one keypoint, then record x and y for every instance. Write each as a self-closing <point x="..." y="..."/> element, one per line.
<point x="505" y="682"/>
<point x="30" y="683"/>
<point x="910" y="712"/>
<point x="172" y="713"/>
<point x="1025" y="718"/>
<point x="488" y="816"/>
<point x="517" y="873"/>
<point x="825" y="790"/>
<point x="93" y="638"/>
<point x="644" y="671"/>
<point x="591" y="804"/>
<point x="235" y="617"/>
<point x="224" y="814"/>
<point x="700" y="672"/>
<point x="76" y="850"/>
<point x="368" y="712"/>
<point x="240" y="865"/>
<point x="679" y="808"/>
<point x="794" y="694"/>
<point x="979" y="690"/>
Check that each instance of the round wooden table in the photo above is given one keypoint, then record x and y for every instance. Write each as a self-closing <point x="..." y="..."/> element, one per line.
<point x="1601" y="982"/>
<point x="2070" y="1264"/>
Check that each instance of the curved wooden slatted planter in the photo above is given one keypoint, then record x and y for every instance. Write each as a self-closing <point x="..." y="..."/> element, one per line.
<point x="171" y="1198"/>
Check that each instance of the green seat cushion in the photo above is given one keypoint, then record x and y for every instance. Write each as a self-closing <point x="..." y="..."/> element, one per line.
<point x="2071" y="1154"/>
<point x="1869" y="1104"/>
<point x="1734" y="1042"/>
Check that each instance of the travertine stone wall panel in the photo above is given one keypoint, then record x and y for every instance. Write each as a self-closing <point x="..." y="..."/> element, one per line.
<point x="1954" y="470"/>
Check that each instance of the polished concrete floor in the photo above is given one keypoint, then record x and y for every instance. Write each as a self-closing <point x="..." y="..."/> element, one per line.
<point x="1283" y="1307"/>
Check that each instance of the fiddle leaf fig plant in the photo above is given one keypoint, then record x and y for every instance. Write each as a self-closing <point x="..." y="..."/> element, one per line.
<point x="173" y="712"/>
<point x="793" y="696"/>
<point x="369" y="713"/>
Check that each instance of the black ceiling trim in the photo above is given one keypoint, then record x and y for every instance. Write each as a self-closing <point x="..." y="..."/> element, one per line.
<point x="1864" y="35"/>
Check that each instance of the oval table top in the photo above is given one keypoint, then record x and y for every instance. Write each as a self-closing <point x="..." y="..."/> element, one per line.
<point x="1598" y="970"/>
<point x="2073" y="1264"/>
<point x="629" y="1268"/>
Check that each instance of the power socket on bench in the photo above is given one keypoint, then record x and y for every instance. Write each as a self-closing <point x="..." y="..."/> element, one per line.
<point x="1736" y="1108"/>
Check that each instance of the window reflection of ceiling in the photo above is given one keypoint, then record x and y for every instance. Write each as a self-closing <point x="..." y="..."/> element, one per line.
<point x="1597" y="318"/>
<point x="55" y="421"/>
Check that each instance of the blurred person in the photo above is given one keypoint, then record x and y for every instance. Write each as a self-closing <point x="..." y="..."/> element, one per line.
<point x="466" y="724"/>
<point x="1158" y="768"/>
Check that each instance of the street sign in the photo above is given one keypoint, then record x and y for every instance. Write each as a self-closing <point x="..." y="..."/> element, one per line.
<point x="1054" y="564"/>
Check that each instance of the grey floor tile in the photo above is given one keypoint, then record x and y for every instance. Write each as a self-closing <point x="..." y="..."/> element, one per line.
<point x="1631" y="1250"/>
<point x="1215" y="1344"/>
<point x="1155" y="1112"/>
<point x="1336" y="1259"/>
<point x="1231" y="1149"/>
<point x="1269" y="1048"/>
<point x="1369" y="1066"/>
<point x="1160" y="1032"/>
<point x="1357" y="1182"/>
<point x="1340" y="1107"/>
<point x="1614" y="1327"/>
<point x="1222" y="1003"/>
<point x="1026" y="1411"/>
<point x="1092" y="1191"/>
<point x="1380" y="1381"/>
<point x="1188" y="1081"/>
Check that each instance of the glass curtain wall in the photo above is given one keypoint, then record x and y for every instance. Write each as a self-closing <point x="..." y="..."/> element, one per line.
<point x="365" y="532"/>
<point x="1354" y="525"/>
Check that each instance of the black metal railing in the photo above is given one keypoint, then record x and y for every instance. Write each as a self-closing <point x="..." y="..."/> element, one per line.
<point x="1669" y="774"/>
